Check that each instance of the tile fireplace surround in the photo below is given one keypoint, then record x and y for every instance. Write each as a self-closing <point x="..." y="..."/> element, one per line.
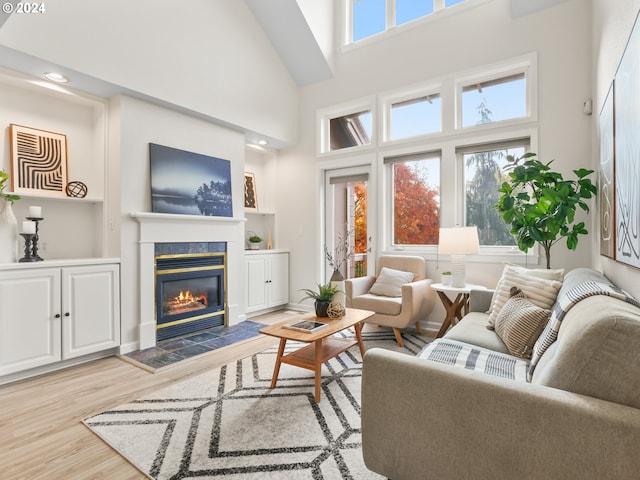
<point x="169" y="228"/>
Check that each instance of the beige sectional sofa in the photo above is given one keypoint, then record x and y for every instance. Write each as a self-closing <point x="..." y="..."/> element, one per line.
<point x="464" y="407"/>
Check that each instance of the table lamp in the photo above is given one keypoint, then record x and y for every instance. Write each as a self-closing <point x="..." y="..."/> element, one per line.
<point x="458" y="242"/>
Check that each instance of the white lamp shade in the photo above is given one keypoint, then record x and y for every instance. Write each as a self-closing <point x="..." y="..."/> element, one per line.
<point x="459" y="241"/>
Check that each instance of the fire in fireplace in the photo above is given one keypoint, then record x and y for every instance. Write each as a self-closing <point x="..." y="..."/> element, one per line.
<point x="190" y="293"/>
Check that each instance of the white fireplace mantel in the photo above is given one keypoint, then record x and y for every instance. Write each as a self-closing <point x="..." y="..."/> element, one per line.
<point x="164" y="228"/>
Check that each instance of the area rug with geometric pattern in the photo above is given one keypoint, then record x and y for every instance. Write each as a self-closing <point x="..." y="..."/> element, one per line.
<point x="229" y="423"/>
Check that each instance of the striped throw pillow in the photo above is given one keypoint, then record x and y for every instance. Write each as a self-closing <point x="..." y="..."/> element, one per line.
<point x="539" y="290"/>
<point x="520" y="323"/>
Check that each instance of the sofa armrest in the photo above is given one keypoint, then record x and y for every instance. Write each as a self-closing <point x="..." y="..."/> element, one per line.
<point x="422" y="419"/>
<point x="480" y="300"/>
<point x="358" y="286"/>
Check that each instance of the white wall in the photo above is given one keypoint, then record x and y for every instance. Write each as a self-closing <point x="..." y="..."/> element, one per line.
<point x="138" y="124"/>
<point x="470" y="39"/>
<point x="612" y="25"/>
<point x="209" y="56"/>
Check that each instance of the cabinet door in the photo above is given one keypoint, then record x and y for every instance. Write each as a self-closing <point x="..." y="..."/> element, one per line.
<point x="256" y="273"/>
<point x="279" y="279"/>
<point x="90" y="309"/>
<point x="29" y="319"/>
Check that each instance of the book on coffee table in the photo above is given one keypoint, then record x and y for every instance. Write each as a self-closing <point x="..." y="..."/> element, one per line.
<point x="305" y="325"/>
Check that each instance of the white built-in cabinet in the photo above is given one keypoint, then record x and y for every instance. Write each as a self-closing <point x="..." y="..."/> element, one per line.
<point x="51" y="312"/>
<point x="267" y="276"/>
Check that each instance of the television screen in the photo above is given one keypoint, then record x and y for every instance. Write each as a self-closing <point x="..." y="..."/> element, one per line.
<point x="189" y="183"/>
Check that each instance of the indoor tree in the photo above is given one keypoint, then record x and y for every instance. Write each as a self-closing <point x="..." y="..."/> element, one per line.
<point x="540" y="205"/>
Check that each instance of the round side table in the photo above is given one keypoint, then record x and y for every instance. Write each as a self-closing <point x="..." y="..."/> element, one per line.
<point x="454" y="307"/>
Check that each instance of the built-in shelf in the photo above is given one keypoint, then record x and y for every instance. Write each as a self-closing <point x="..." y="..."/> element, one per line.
<point x="35" y="196"/>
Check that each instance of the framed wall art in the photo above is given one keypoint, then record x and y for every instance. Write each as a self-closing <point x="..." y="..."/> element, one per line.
<point x="250" y="195"/>
<point x="606" y="180"/>
<point x="627" y="152"/>
<point x="38" y="161"/>
<point x="187" y="183"/>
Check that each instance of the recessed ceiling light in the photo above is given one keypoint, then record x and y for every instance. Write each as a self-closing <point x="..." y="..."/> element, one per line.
<point x="55" y="77"/>
<point x="262" y="142"/>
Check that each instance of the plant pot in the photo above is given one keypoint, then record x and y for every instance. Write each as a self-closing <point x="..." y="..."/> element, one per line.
<point x="8" y="233"/>
<point x="337" y="280"/>
<point x="321" y="308"/>
<point x="254" y="246"/>
<point x="446" y="279"/>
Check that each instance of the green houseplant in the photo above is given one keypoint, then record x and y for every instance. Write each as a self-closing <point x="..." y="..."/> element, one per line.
<point x="8" y="223"/>
<point x="540" y="205"/>
<point x="254" y="241"/>
<point x="322" y="297"/>
<point x="4" y="176"/>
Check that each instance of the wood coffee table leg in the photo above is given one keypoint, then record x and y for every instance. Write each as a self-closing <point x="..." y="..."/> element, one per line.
<point x="276" y="369"/>
<point x="318" y="365"/>
<point x="358" y="328"/>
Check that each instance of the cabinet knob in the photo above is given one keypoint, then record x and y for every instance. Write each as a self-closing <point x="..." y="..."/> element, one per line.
<point x="57" y="315"/>
<point x="67" y="314"/>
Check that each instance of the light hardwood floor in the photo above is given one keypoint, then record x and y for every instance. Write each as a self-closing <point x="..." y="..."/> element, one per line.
<point x="41" y="431"/>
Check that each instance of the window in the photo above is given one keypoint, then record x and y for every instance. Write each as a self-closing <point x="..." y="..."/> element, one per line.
<point x="416" y="116"/>
<point x="407" y="10"/>
<point x="483" y="176"/>
<point x="371" y="17"/>
<point x="416" y="199"/>
<point x="350" y="130"/>
<point x="494" y="100"/>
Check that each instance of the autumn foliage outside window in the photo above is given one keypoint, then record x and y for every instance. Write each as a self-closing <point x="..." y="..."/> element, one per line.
<point x="416" y="203"/>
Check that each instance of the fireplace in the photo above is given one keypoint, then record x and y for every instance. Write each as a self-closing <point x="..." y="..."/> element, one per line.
<point x="190" y="293"/>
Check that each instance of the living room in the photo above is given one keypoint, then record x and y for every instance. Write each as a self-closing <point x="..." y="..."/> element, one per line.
<point x="208" y="79"/>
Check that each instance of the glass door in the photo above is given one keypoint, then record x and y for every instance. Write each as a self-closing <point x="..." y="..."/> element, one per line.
<point x="347" y="212"/>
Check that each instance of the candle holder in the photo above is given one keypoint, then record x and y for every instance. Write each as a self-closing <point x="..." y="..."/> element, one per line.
<point x="34" y="252"/>
<point x="28" y="252"/>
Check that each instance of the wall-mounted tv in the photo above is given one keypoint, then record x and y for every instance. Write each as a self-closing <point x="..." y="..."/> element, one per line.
<point x="189" y="183"/>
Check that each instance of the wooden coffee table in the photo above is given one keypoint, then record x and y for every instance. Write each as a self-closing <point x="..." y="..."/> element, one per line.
<point x="322" y="345"/>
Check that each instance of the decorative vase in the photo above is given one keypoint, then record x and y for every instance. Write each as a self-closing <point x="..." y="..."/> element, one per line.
<point x="321" y="308"/>
<point x="337" y="281"/>
<point x="8" y="233"/>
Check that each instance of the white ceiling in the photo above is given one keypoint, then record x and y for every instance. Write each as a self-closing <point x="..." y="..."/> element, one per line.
<point x="284" y="23"/>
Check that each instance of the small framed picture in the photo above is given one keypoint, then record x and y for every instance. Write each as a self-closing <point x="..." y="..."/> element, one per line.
<point x="38" y="161"/>
<point x="250" y="196"/>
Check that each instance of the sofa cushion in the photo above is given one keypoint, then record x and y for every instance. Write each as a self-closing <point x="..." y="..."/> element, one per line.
<point x="473" y="329"/>
<point x="378" y="304"/>
<point x="389" y="282"/>
<point x="470" y="357"/>
<point x="539" y="285"/>
<point x="520" y="323"/>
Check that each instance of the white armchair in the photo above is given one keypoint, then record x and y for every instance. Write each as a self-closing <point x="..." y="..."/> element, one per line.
<point x="415" y="302"/>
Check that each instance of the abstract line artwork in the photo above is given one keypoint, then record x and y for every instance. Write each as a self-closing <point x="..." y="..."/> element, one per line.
<point x="606" y="185"/>
<point x="38" y="161"/>
<point x="627" y="149"/>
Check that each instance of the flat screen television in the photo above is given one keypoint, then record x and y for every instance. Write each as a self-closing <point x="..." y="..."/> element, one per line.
<point x="188" y="183"/>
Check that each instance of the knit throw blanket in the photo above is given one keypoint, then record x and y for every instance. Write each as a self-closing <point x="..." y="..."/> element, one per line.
<point x="563" y="305"/>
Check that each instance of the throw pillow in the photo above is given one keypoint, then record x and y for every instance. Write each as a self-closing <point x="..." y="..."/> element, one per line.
<point x="389" y="282"/>
<point x="540" y="286"/>
<point x="520" y="323"/>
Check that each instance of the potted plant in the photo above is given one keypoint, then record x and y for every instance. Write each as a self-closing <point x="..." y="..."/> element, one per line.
<point x="446" y="278"/>
<point x="9" y="197"/>
<point x="8" y="223"/>
<point x="254" y="241"/>
<point x="322" y="297"/>
<point x="540" y="205"/>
